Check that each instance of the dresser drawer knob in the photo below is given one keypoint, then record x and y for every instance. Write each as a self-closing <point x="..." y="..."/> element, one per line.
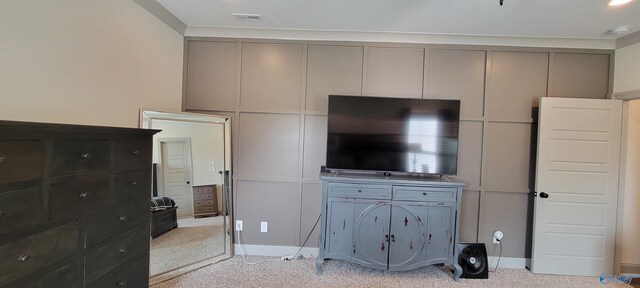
<point x="122" y="283"/>
<point x="123" y="251"/>
<point x="135" y="152"/>
<point x="123" y="218"/>
<point x="424" y="193"/>
<point x="83" y="195"/>
<point x="24" y="258"/>
<point x="3" y="159"/>
<point x="359" y="190"/>
<point x="134" y="183"/>
<point x="85" y="155"/>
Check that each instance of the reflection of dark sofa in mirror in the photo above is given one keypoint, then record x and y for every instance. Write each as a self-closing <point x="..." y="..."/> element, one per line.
<point x="163" y="210"/>
<point x="163" y="215"/>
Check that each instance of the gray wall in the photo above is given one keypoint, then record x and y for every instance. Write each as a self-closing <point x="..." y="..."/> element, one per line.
<point x="276" y="93"/>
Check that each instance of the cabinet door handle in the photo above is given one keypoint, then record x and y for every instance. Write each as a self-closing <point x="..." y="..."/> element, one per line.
<point x="544" y="195"/>
<point x="359" y="190"/>
<point x="386" y="237"/>
<point x="85" y="155"/>
<point x="393" y="239"/>
<point x="123" y="251"/>
<point x="424" y="193"/>
<point x="134" y="183"/>
<point x="123" y="218"/>
<point x="3" y="159"/>
<point x="122" y="283"/>
<point x="4" y="215"/>
<point x="23" y="258"/>
<point x="83" y="195"/>
<point x="135" y="152"/>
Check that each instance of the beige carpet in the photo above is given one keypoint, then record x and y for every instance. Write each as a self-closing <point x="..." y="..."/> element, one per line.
<point x="194" y="240"/>
<point x="301" y="273"/>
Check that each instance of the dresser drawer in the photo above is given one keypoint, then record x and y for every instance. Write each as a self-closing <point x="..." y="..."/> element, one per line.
<point x="21" y="160"/>
<point x="116" y="221"/>
<point x="106" y="258"/>
<point x="204" y="209"/>
<point x="204" y="190"/>
<point x="133" y="275"/>
<point x="424" y="193"/>
<point x="368" y="191"/>
<point x="65" y="276"/>
<point x="24" y="256"/>
<point x="70" y="157"/>
<point x="132" y="186"/>
<point x="204" y="203"/>
<point x="76" y="195"/>
<point x="132" y="154"/>
<point x="198" y="197"/>
<point x="20" y="209"/>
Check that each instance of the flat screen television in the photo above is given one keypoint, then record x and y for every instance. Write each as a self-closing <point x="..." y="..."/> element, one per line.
<point x="393" y="135"/>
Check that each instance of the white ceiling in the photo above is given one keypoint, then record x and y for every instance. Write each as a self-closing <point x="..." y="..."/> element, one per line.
<point x="588" y="19"/>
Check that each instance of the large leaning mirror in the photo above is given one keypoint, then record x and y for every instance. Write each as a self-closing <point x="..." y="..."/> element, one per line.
<point x="192" y="191"/>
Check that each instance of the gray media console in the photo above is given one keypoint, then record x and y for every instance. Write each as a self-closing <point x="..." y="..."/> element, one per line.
<point x="392" y="223"/>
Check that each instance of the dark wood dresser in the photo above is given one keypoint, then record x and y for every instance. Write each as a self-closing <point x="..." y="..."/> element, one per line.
<point x="74" y="205"/>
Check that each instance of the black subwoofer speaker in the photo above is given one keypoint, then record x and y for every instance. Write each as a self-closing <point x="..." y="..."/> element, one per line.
<point x="473" y="260"/>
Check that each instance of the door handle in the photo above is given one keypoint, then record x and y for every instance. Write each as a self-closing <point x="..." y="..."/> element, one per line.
<point x="544" y="195"/>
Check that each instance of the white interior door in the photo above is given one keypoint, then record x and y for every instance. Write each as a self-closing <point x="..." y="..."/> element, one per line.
<point x="176" y="172"/>
<point x="577" y="186"/>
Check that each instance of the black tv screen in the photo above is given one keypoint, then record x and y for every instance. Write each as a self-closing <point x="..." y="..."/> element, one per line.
<point x="393" y="134"/>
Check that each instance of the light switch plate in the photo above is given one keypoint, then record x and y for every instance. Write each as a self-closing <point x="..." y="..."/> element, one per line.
<point x="263" y="226"/>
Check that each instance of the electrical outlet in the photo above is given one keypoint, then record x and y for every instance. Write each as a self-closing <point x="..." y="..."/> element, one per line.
<point x="497" y="236"/>
<point x="238" y="225"/>
<point x="263" y="226"/>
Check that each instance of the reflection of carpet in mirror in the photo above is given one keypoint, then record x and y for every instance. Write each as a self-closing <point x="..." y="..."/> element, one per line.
<point x="194" y="240"/>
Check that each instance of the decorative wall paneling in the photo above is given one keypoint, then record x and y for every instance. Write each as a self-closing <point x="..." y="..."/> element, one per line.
<point x="276" y="95"/>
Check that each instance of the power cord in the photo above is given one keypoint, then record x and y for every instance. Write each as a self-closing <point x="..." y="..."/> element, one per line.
<point x="500" y="256"/>
<point x="305" y="240"/>
<point x="283" y="257"/>
<point x="245" y="252"/>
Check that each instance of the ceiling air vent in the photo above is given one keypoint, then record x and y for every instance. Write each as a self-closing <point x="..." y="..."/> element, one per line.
<point x="247" y="17"/>
<point x="618" y="30"/>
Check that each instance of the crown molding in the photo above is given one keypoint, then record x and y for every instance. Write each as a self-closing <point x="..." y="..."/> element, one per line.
<point x="156" y="9"/>
<point x="628" y="40"/>
<point x="627" y="95"/>
<point x="398" y="37"/>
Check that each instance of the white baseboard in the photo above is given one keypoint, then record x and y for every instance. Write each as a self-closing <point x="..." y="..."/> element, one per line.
<point x="507" y="262"/>
<point x="275" y="251"/>
<point x="309" y="252"/>
<point x="633" y="268"/>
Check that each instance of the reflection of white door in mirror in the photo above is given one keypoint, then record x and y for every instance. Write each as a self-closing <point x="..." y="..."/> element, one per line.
<point x="175" y="161"/>
<point x="186" y="151"/>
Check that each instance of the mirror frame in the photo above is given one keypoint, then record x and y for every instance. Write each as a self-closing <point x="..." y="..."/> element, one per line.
<point x="146" y="115"/>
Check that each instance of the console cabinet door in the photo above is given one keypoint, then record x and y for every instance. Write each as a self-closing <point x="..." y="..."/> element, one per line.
<point x="371" y="245"/>
<point x="440" y="232"/>
<point x="340" y="228"/>
<point x="408" y="232"/>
